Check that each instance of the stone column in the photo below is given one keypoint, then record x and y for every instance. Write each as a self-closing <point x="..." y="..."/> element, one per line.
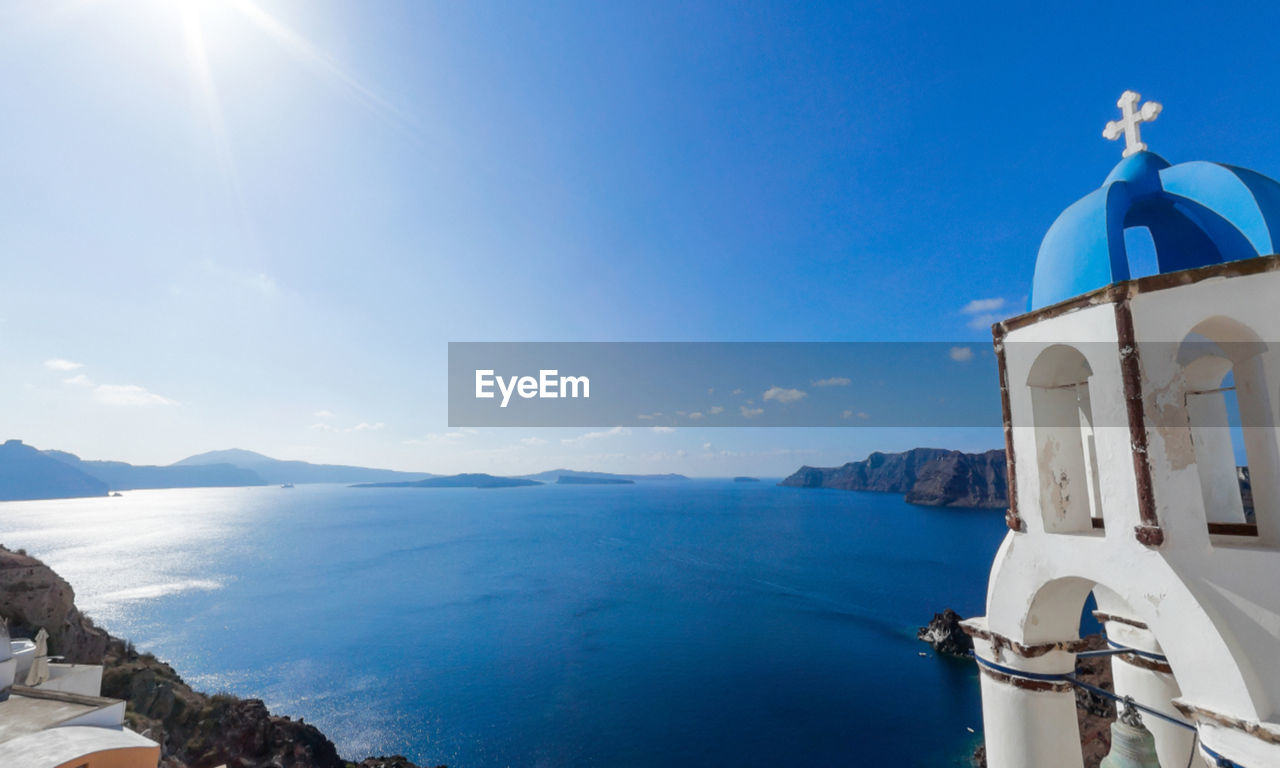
<point x="1148" y="678"/>
<point x="1027" y="720"/>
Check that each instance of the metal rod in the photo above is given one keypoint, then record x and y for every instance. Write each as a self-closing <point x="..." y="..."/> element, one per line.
<point x="1143" y="707"/>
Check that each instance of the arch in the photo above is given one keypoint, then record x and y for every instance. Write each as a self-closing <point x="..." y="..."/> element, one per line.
<point x="1053" y="613"/>
<point x="1228" y="402"/>
<point x="1066" y="456"/>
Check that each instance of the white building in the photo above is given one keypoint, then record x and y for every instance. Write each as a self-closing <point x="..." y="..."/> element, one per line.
<point x="52" y="716"/>
<point x="1117" y="393"/>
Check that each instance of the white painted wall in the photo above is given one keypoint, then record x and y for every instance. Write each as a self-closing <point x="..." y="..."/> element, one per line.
<point x="1211" y="602"/>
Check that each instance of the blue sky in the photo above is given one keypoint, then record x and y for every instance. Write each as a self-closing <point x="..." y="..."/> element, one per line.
<point x="258" y="224"/>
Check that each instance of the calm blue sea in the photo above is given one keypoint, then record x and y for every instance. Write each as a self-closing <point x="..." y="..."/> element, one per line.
<point x="700" y="623"/>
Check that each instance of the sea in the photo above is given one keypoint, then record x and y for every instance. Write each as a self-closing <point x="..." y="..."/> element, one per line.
<point x="679" y="623"/>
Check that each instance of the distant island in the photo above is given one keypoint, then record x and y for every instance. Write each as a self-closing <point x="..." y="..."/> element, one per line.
<point x="554" y="475"/>
<point x="932" y="477"/>
<point x="27" y="473"/>
<point x="592" y="480"/>
<point x="465" y="480"/>
<point x="275" y="471"/>
<point x="745" y="479"/>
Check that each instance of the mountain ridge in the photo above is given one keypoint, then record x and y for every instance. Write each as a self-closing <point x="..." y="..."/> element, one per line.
<point x="26" y="474"/>
<point x="276" y="471"/>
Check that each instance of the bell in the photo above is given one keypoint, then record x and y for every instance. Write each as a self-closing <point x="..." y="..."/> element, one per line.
<point x="1132" y="745"/>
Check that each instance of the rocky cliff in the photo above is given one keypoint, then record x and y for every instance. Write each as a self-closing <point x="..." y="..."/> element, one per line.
<point x="933" y="477"/>
<point x="194" y="729"/>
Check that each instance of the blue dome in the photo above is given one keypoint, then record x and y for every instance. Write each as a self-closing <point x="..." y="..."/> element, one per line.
<point x="1198" y="213"/>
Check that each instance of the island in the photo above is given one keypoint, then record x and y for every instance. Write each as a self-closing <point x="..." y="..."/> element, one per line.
<point x="932" y="477"/>
<point x="464" y="480"/>
<point x="592" y="480"/>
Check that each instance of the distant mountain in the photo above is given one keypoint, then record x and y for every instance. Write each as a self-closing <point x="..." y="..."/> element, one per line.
<point x="466" y="480"/>
<point x="554" y="475"/>
<point x="592" y="480"/>
<point x="275" y="471"/>
<point x="745" y="479"/>
<point x="933" y="477"/>
<point x="26" y="473"/>
<point x="120" y="476"/>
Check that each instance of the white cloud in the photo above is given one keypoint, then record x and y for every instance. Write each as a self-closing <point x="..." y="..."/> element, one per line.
<point x="365" y="426"/>
<point x="713" y="410"/>
<point x="649" y="416"/>
<point x="262" y="283"/>
<point x="432" y="438"/>
<point x="695" y="415"/>
<point x="736" y="392"/>
<point x="706" y="446"/>
<point x="850" y="414"/>
<point x="783" y="395"/>
<point x="984" y="312"/>
<point x="59" y="364"/>
<point x="663" y="430"/>
<point x="961" y="354"/>
<point x="983" y="306"/>
<point x="751" y="413"/>
<point x="596" y="435"/>
<point x="324" y="427"/>
<point x="325" y="414"/>
<point x="130" y="395"/>
<point x="532" y="441"/>
<point x="834" y="381"/>
<point x="80" y="380"/>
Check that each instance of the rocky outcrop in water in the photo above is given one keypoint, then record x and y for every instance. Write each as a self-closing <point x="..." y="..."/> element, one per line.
<point x="943" y="632"/>
<point x="194" y="729"/>
<point x="933" y="477"/>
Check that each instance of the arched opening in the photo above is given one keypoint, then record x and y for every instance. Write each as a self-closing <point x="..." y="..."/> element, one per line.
<point x="1119" y="656"/>
<point x="1140" y="248"/>
<point x="1066" y="456"/>
<point x="1229" y="415"/>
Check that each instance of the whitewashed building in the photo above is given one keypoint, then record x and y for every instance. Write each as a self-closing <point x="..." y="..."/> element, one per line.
<point x="52" y="716"/>
<point x="1129" y="402"/>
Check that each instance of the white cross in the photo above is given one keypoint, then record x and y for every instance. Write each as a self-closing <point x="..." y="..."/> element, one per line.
<point x="1130" y="119"/>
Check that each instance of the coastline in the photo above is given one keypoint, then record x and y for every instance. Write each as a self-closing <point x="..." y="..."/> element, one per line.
<point x="194" y="729"/>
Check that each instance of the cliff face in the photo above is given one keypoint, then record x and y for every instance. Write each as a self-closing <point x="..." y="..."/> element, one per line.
<point x="928" y="476"/>
<point x="32" y="597"/>
<point x="194" y="729"/>
<point x="962" y="480"/>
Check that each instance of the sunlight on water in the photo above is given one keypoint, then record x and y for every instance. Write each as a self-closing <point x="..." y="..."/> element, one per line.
<point x="702" y="623"/>
<point x="118" y="551"/>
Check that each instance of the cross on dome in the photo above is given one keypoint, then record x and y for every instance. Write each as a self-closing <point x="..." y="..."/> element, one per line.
<point x="1130" y="118"/>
